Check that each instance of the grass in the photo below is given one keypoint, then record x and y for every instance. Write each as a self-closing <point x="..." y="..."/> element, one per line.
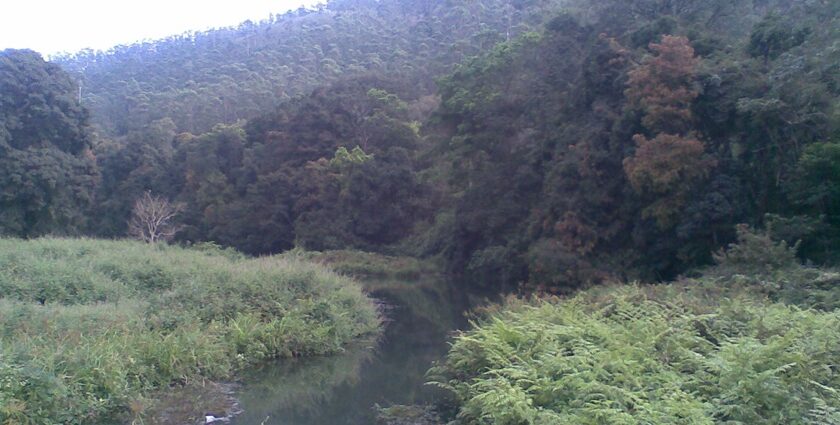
<point x="369" y="265"/>
<point x="90" y="328"/>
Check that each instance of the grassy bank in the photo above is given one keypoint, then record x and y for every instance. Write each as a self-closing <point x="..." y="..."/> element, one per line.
<point x="90" y="328"/>
<point x="369" y="265"/>
<point x="647" y="354"/>
<point x="750" y="340"/>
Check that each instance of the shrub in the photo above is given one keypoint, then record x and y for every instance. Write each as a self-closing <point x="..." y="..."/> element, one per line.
<point x="646" y="355"/>
<point x="755" y="253"/>
<point x="771" y="268"/>
<point x="361" y="264"/>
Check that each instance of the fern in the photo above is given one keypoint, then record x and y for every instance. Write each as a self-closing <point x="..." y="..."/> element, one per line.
<point x="643" y="355"/>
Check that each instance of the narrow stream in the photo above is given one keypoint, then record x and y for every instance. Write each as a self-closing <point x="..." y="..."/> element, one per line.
<point x="343" y="389"/>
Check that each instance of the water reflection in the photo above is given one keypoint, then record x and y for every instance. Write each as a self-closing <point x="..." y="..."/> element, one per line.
<point x="343" y="390"/>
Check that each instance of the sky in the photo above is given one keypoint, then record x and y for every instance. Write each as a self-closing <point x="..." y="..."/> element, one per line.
<point x="53" y="26"/>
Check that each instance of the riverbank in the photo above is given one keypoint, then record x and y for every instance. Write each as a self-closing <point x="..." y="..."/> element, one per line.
<point x="419" y="316"/>
<point x="91" y="328"/>
<point x="752" y="339"/>
<point x="371" y="266"/>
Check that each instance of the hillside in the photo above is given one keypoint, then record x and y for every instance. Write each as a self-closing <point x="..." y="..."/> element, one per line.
<point x="600" y="140"/>
<point x="657" y="183"/>
<point x="224" y="75"/>
<point x="620" y="149"/>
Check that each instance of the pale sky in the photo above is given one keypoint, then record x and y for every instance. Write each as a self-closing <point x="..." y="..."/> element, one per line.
<point x="52" y="26"/>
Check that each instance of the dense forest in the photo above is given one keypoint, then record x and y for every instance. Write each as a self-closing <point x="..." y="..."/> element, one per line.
<point x="528" y="146"/>
<point x="224" y="75"/>
<point x="548" y="149"/>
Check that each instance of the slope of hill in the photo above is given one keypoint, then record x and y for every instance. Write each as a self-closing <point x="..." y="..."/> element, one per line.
<point x="620" y="139"/>
<point x="223" y="75"/>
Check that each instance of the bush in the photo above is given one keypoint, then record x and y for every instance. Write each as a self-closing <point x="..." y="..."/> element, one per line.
<point x="361" y="264"/>
<point x="646" y="355"/>
<point x="755" y="253"/>
<point x="771" y="268"/>
<point x="88" y="328"/>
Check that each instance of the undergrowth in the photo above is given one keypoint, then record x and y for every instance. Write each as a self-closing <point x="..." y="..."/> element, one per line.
<point x="363" y="264"/>
<point x="751" y="340"/>
<point x="646" y="355"/>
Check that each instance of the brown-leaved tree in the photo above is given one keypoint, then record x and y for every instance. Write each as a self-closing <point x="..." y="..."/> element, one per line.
<point x="665" y="169"/>
<point x="663" y="85"/>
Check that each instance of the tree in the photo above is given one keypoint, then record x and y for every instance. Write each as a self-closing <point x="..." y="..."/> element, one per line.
<point x="140" y="161"/>
<point x="813" y="188"/>
<point x="815" y="183"/>
<point x="153" y="219"/>
<point x="773" y="36"/>
<point x="666" y="169"/>
<point x="47" y="168"/>
<point x="662" y="85"/>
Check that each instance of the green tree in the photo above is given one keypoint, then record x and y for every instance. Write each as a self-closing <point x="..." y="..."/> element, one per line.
<point x="815" y="184"/>
<point x="47" y="169"/>
<point x="143" y="160"/>
<point x="814" y="189"/>
<point x="773" y="36"/>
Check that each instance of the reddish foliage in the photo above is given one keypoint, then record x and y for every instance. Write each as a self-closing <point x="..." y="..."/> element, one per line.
<point x="575" y="234"/>
<point x="666" y="168"/>
<point x="663" y="85"/>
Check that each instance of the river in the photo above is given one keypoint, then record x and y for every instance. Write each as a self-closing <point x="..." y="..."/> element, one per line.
<point x="344" y="389"/>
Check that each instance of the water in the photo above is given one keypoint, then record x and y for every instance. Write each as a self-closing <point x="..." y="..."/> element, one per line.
<point x="343" y="389"/>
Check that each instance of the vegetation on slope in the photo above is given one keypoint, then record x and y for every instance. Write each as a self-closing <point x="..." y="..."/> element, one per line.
<point x="628" y="138"/>
<point x="223" y="75"/>
<point x="634" y="355"/>
<point x="619" y="140"/>
<point x="47" y="170"/>
<point x="592" y="148"/>
<point x="753" y="340"/>
<point x="369" y="265"/>
<point x="88" y="328"/>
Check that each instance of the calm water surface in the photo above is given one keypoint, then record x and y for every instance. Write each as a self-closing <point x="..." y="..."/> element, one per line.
<point x="343" y="389"/>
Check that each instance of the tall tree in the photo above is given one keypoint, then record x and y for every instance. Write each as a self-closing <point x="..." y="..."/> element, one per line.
<point x="664" y="170"/>
<point x="47" y="169"/>
<point x="662" y="86"/>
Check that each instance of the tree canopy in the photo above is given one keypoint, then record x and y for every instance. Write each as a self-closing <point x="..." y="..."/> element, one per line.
<point x="47" y="168"/>
<point x="539" y="143"/>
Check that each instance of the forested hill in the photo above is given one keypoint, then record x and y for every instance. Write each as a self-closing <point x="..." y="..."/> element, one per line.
<point x="223" y="75"/>
<point x="574" y="142"/>
<point x="627" y="144"/>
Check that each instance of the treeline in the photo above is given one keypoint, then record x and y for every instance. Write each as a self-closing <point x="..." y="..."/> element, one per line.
<point x="335" y="169"/>
<point x="612" y="148"/>
<point x="224" y="75"/>
<point x="619" y="140"/>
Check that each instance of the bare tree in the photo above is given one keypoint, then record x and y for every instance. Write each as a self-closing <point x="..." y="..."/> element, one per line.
<point x="153" y="219"/>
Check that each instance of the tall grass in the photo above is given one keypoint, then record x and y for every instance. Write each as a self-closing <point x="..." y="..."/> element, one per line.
<point x="369" y="265"/>
<point x="88" y="327"/>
